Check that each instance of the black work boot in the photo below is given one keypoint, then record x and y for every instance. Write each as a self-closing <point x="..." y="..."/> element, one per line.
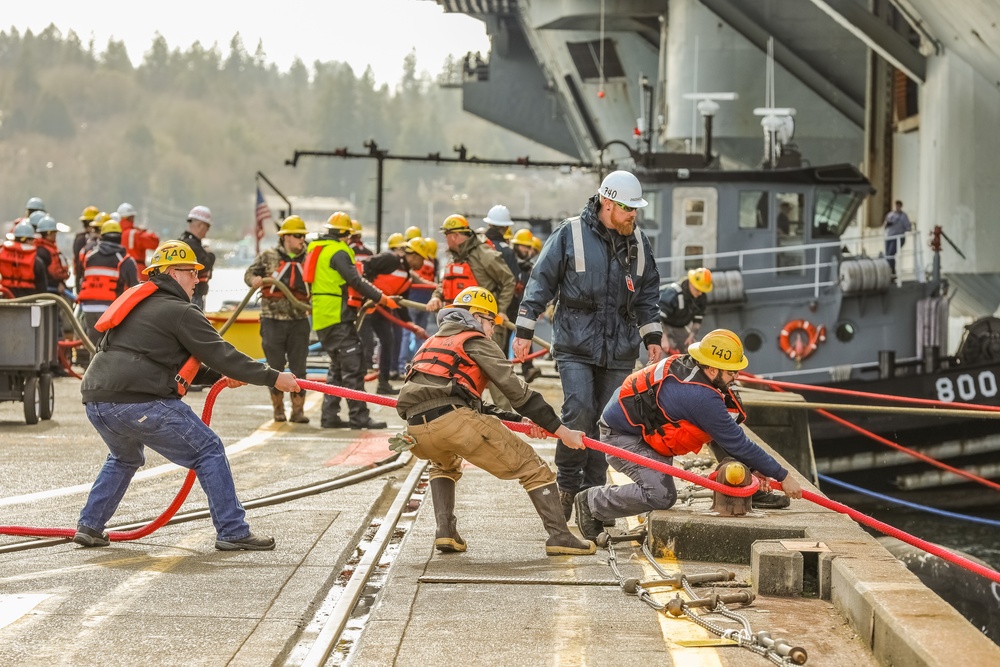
<point x="446" y="539"/>
<point x="589" y="526"/>
<point x="88" y="537"/>
<point x="366" y="422"/>
<point x="249" y="543"/>
<point x="561" y="542"/>
<point x="770" y="501"/>
<point x="566" y="500"/>
<point x="386" y="389"/>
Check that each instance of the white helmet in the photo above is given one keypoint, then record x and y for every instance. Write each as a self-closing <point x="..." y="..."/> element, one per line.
<point x="499" y="216"/>
<point x="47" y="224"/>
<point x="23" y="230"/>
<point x="115" y="216"/>
<point x="201" y="214"/>
<point x="622" y="187"/>
<point x="126" y="210"/>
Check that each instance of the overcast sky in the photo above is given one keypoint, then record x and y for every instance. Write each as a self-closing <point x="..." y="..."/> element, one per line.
<point x="360" y="32"/>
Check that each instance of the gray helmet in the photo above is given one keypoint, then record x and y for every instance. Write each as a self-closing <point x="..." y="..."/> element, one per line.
<point x="24" y="230"/>
<point x="35" y="204"/>
<point x="36" y="217"/>
<point x="47" y="224"/>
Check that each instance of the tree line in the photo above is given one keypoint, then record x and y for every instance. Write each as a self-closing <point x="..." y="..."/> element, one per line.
<point x="82" y="126"/>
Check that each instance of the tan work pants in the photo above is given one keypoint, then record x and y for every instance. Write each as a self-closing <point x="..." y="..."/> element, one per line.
<point x="483" y="441"/>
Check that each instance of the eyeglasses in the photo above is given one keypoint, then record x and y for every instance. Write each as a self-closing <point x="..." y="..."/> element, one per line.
<point x="627" y="209"/>
<point x="193" y="272"/>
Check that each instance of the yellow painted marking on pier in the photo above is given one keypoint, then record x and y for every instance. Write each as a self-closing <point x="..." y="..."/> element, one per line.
<point x="13" y="607"/>
<point x="264" y="432"/>
<point x="676" y="630"/>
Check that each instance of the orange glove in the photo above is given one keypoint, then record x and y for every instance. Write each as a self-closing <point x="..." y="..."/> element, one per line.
<point x="388" y="302"/>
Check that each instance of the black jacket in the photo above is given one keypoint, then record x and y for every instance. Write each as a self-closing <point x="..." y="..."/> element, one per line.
<point x="204" y="257"/>
<point x="137" y="361"/>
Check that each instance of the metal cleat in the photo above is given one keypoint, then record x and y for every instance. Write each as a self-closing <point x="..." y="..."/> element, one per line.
<point x="732" y="473"/>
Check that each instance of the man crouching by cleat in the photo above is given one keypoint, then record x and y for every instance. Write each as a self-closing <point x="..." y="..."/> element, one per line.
<point x="441" y="402"/>
<point x="151" y="353"/>
<point x="669" y="409"/>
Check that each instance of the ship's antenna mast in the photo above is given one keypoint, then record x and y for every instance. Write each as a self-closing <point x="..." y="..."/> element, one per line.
<point x="708" y="106"/>
<point x="600" y="58"/>
<point x="777" y="121"/>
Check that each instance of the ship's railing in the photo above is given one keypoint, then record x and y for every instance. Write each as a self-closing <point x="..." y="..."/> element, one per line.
<point x="818" y="269"/>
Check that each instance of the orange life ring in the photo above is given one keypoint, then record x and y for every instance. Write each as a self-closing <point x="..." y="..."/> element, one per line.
<point x="814" y="334"/>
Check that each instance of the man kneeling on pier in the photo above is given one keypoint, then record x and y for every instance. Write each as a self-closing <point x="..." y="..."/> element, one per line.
<point x="441" y="402"/>
<point x="669" y="409"/>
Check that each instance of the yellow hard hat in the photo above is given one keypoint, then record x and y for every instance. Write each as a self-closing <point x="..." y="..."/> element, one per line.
<point x="536" y="244"/>
<point x="293" y="224"/>
<point x="339" y="221"/>
<point x="111" y="227"/>
<point x="522" y="237"/>
<point x="396" y="241"/>
<point x="355" y="227"/>
<point x="412" y="232"/>
<point x="508" y="233"/>
<point x="418" y="246"/>
<point x="173" y="253"/>
<point x="432" y="245"/>
<point x="89" y="214"/>
<point x="720" y="348"/>
<point x="478" y="300"/>
<point x="99" y="220"/>
<point x="456" y="223"/>
<point x="701" y="278"/>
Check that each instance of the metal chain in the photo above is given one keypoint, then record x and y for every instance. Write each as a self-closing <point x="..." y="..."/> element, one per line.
<point x="744" y="637"/>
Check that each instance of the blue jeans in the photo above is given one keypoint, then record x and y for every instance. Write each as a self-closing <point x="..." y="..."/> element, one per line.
<point x="586" y="390"/>
<point x="170" y="428"/>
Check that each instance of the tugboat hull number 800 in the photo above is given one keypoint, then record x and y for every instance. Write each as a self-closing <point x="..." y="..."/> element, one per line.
<point x="966" y="386"/>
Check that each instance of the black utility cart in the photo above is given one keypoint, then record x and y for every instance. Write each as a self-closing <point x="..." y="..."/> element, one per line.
<point x="28" y="349"/>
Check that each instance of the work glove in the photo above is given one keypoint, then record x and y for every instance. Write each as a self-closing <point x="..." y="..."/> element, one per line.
<point x="402" y="442"/>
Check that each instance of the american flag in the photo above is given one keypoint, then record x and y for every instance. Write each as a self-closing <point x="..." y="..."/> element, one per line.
<point x="263" y="214"/>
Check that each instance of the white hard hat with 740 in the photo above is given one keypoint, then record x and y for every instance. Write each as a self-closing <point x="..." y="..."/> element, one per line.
<point x="622" y="187"/>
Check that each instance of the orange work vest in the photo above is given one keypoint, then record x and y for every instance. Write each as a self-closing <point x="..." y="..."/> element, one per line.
<point x="457" y="276"/>
<point x="446" y="357"/>
<point x="119" y="310"/>
<point x="639" y="401"/>
<point x="17" y="265"/>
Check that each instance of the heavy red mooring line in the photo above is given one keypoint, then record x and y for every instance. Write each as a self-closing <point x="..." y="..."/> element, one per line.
<point x="352" y="394"/>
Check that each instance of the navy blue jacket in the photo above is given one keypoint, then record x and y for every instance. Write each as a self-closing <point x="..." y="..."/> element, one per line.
<point x="586" y="267"/>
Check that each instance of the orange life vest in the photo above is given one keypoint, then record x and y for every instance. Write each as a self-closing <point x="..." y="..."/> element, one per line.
<point x="354" y="298"/>
<point x="119" y="310"/>
<point x="428" y="270"/>
<point x="100" y="276"/>
<point x="58" y="268"/>
<point x="457" y="276"/>
<point x="290" y="273"/>
<point x="446" y="357"/>
<point x="394" y="283"/>
<point x="17" y="265"/>
<point x="639" y="401"/>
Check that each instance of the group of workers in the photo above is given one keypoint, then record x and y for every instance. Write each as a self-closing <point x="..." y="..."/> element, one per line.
<point x="108" y="256"/>
<point x="597" y="269"/>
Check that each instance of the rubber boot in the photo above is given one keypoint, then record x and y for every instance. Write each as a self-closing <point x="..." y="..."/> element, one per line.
<point x="278" y="401"/>
<point x="566" y="500"/>
<point x="446" y="539"/>
<point x="561" y="542"/>
<point x="298" y="415"/>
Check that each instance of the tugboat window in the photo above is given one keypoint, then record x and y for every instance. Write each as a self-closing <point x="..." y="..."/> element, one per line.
<point x="753" y="341"/>
<point x="790" y="231"/>
<point x="834" y="211"/>
<point x="696" y="252"/>
<point x="845" y="332"/>
<point x="753" y="210"/>
<point x="694" y="212"/>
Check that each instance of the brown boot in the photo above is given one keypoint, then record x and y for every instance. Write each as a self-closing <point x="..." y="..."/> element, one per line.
<point x="446" y="539"/>
<point x="561" y="542"/>
<point x="278" y="401"/>
<point x="298" y="416"/>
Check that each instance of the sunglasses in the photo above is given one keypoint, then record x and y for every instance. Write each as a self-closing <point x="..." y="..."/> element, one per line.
<point x="193" y="272"/>
<point x="627" y="209"/>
